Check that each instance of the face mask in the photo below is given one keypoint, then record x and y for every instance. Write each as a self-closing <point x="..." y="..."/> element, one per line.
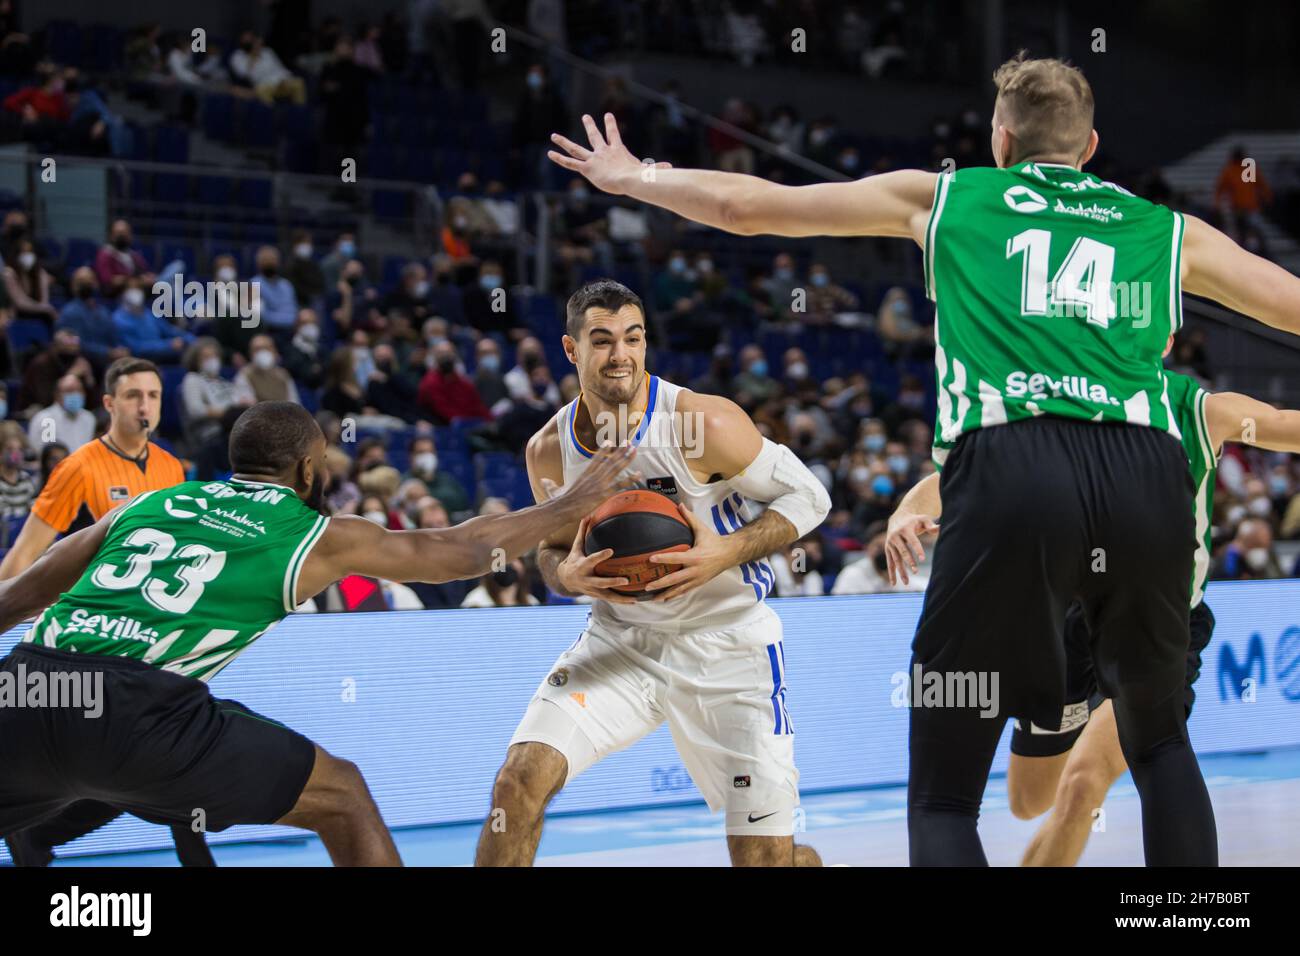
<point x="378" y="517"/>
<point x="133" y="297"/>
<point x="849" y="161"/>
<point x="489" y="363"/>
<point x="226" y="274"/>
<point x="85" y="291"/>
<point x="1261" y="507"/>
<point x="1257" y="558"/>
<point x="785" y="275"/>
<point x="446" y="365"/>
<point x="901" y="306"/>
<point x="14" y="458"/>
<point x="898" y="463"/>
<point x="579" y="193"/>
<point x="1236" y="513"/>
<point x="873" y="442"/>
<point x="347" y="248"/>
<point x="883" y="485"/>
<point x="797" y="371"/>
<point x="264" y="358"/>
<point x="309" y="333"/>
<point x="270" y="271"/>
<point x="421" y="289"/>
<point x="302" y="250"/>
<point x="911" y="400"/>
<point x="820" y="278"/>
<point x="4" y="408"/>
<point x="705" y="266"/>
<point x="1278" y="485"/>
<point x="211" y="366"/>
<point x="819" y="136"/>
<point x="535" y="81"/>
<point x="74" y="402"/>
<point x="460" y="222"/>
<point x="506" y="577"/>
<point x="426" y="462"/>
<point x="758" y="368"/>
<point x="353" y="281"/>
<point x="489" y="280"/>
<point x="26" y="260"/>
<point x="677" y="264"/>
<point x="121" y="243"/>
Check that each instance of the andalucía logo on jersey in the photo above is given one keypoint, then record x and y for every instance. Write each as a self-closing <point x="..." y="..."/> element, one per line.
<point x="1024" y="199"/>
<point x="1094" y="212"/>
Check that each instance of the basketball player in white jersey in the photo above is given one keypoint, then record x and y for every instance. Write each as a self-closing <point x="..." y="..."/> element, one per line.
<point x="705" y="652"/>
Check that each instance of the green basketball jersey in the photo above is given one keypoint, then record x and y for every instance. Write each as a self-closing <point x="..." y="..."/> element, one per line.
<point x="187" y="577"/>
<point x="1188" y="401"/>
<point x="1054" y="294"/>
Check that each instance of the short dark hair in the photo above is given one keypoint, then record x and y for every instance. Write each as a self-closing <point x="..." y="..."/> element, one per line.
<point x="597" y="294"/>
<point x="128" y="365"/>
<point x="271" y="437"/>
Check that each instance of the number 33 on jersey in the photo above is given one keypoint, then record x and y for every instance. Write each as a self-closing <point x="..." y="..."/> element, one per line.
<point x="188" y="577"/>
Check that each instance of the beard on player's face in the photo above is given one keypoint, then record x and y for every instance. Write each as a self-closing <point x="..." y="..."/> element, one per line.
<point x="315" y="499"/>
<point x="616" y="382"/>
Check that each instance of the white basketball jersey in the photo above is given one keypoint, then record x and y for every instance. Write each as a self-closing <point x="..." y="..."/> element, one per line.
<point x="661" y="459"/>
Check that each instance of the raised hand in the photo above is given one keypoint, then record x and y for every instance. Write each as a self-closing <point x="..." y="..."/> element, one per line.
<point x="607" y="165"/>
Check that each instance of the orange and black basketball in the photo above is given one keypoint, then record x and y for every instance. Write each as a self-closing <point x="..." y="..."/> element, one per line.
<point x="635" y="525"/>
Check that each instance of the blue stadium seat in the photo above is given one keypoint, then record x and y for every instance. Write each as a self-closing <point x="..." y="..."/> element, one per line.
<point x="258" y="126"/>
<point x="26" y="332"/>
<point x="255" y="193"/>
<point x="81" y="252"/>
<point x="219" y="116"/>
<point x="171" y="144"/>
<point x="171" y="188"/>
<point x="214" y="190"/>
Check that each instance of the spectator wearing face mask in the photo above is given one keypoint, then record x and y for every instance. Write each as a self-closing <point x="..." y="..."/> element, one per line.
<point x="901" y="334"/>
<point x="753" y="383"/>
<point x="412" y="295"/>
<point x="264" y="379"/>
<point x="445" y="393"/>
<point x="781" y="286"/>
<point x="488" y="378"/>
<point x="17" y="489"/>
<point x="519" y="380"/>
<point x="28" y="285"/>
<point x="145" y="334"/>
<point x="226" y="323"/>
<point x="279" y="304"/>
<point x="869" y="574"/>
<point x="303" y="272"/>
<point x="354" y="304"/>
<point x="827" y="301"/>
<point x="391" y="389"/>
<point x="440" y="483"/>
<point x="798" y="568"/>
<point x="539" y="111"/>
<point x="487" y="303"/>
<point x="332" y="263"/>
<point x="209" y="406"/>
<point x="116" y="261"/>
<point x="86" y="316"/>
<point x="304" y="358"/>
<point x="67" y="420"/>
<point x="1249" y="555"/>
<point x="874" y="489"/>
<point x="506" y="588"/>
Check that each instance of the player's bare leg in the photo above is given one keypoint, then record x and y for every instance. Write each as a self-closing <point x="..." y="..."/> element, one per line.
<point x="1095" y="763"/>
<point x="770" y="851"/>
<point x="336" y="804"/>
<point x="532" y="774"/>
<point x="1032" y="783"/>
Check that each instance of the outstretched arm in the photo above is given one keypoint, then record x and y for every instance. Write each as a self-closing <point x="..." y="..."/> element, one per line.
<point x="54" y="572"/>
<point x="466" y="550"/>
<point x="1216" y="267"/>
<point x="1232" y="416"/>
<point x="890" y="204"/>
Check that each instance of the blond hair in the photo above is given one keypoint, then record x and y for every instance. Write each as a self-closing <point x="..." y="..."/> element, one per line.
<point x="1047" y="105"/>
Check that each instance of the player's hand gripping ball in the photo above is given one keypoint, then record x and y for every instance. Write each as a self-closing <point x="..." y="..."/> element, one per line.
<point x="635" y="525"/>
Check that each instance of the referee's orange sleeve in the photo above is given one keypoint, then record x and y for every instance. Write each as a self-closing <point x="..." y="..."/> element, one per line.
<point x="62" y="496"/>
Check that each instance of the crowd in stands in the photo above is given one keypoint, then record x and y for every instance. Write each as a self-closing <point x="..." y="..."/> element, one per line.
<point x="429" y="380"/>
